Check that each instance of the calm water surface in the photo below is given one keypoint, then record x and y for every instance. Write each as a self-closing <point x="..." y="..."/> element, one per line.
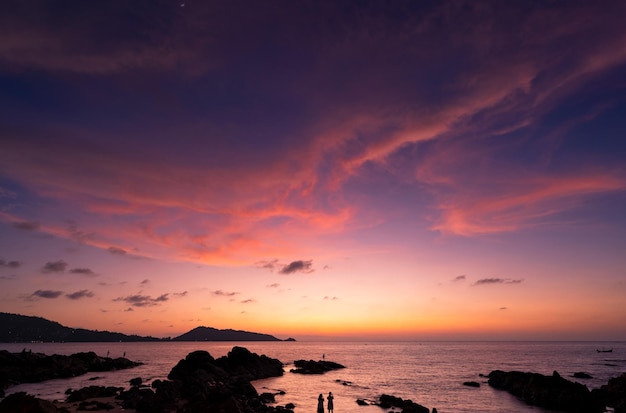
<point x="429" y="373"/>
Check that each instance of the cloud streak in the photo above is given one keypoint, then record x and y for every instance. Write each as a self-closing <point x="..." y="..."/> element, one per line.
<point x="488" y="281"/>
<point x="138" y="300"/>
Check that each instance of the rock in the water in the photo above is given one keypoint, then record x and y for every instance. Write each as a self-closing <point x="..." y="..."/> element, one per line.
<point x="471" y="384"/>
<point x="29" y="367"/>
<point x="200" y="383"/>
<point x="407" y="406"/>
<point x="137" y="381"/>
<point x="552" y="392"/>
<point x="315" y="367"/>
<point x="582" y="375"/>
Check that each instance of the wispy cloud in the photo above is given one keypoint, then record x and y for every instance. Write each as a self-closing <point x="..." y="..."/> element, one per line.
<point x="54" y="266"/>
<point x="77" y="295"/>
<point x="224" y="293"/>
<point x="10" y="264"/>
<point x="487" y="281"/>
<point x="117" y="250"/>
<point x="83" y="271"/>
<point x="26" y="225"/>
<point x="47" y="294"/>
<point x="302" y="266"/>
<point x="459" y="278"/>
<point x="138" y="300"/>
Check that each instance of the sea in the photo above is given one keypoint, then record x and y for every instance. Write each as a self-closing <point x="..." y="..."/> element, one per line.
<point x="429" y="373"/>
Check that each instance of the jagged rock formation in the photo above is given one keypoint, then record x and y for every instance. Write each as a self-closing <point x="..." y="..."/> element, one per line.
<point x="552" y="392"/>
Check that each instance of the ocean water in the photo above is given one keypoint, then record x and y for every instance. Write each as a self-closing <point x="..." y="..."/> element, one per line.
<point x="429" y="373"/>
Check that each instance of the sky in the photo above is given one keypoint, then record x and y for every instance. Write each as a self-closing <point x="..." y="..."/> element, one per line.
<point x="323" y="170"/>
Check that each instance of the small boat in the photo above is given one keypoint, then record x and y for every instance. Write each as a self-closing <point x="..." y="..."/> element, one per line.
<point x="605" y="351"/>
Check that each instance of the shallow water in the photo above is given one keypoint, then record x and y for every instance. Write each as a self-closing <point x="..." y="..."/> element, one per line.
<point x="429" y="373"/>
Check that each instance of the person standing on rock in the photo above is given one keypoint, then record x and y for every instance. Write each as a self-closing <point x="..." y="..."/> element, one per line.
<point x="330" y="402"/>
<point x="320" y="403"/>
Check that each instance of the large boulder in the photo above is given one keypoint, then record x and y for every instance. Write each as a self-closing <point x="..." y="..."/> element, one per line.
<point x="552" y="392"/>
<point x="200" y="383"/>
<point x="243" y="363"/>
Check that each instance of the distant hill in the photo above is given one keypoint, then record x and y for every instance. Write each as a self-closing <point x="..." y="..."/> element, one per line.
<point x="213" y="334"/>
<point x="15" y="328"/>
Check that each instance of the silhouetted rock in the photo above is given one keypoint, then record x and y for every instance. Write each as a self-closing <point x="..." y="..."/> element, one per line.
<point x="94" y="405"/>
<point x="28" y="367"/>
<point x="552" y="392"/>
<point x="614" y="393"/>
<point x="582" y="375"/>
<point x="92" y="392"/>
<point x="25" y="403"/>
<point x="200" y="383"/>
<point x="315" y="367"/>
<point x="362" y="402"/>
<point x="471" y="384"/>
<point x="136" y="381"/>
<point x="407" y="406"/>
<point x="242" y="363"/>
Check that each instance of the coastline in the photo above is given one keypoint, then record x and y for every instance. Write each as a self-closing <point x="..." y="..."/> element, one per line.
<point x="429" y="373"/>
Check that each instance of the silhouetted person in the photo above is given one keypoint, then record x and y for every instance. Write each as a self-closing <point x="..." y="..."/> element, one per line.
<point x="330" y="402"/>
<point x="320" y="404"/>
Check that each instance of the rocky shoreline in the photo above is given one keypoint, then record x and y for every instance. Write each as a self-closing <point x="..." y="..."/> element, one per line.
<point x="201" y="383"/>
<point x="29" y="367"/>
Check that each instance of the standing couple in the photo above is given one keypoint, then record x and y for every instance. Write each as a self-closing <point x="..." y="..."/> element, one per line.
<point x="320" y="403"/>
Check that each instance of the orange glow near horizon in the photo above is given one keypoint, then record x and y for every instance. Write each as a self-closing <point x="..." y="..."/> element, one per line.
<point x="408" y="171"/>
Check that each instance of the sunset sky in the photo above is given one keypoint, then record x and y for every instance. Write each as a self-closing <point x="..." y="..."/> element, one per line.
<point x="381" y="170"/>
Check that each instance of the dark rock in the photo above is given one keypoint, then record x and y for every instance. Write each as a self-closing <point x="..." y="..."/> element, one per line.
<point x="290" y="406"/>
<point x="614" y="393"/>
<point x="362" y="402"/>
<point x="315" y="367"/>
<point x="552" y="392"/>
<point x="471" y="383"/>
<point x="200" y="383"/>
<point x="94" y="405"/>
<point x="29" y="367"/>
<point x="25" y="403"/>
<point x="407" y="406"/>
<point x="91" y="392"/>
<point x="582" y="375"/>
<point x="267" y="398"/>
<point x="243" y="363"/>
<point x="136" y="381"/>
